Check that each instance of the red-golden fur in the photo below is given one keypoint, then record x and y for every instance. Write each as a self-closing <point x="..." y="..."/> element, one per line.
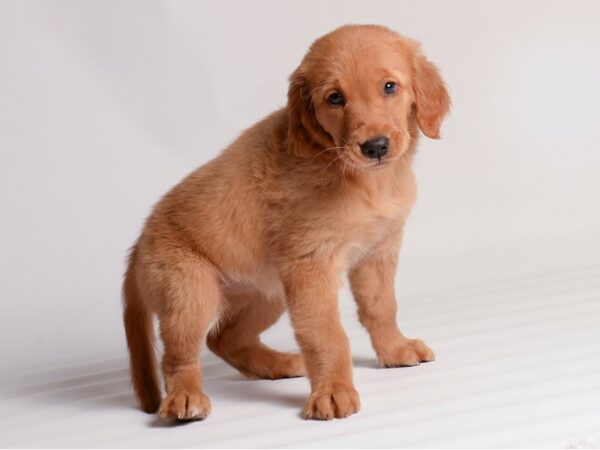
<point x="274" y="222"/>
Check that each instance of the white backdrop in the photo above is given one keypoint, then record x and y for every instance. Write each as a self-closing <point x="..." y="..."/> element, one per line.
<point x="105" y="105"/>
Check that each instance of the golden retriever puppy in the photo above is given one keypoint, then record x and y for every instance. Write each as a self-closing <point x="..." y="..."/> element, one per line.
<point x="318" y="188"/>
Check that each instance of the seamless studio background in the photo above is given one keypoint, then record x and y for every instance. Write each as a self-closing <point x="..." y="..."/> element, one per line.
<point x="105" y="105"/>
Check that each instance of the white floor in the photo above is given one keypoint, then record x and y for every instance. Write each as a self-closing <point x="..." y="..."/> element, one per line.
<point x="518" y="366"/>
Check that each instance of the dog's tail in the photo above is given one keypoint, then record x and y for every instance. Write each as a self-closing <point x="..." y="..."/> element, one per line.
<point x="140" y="341"/>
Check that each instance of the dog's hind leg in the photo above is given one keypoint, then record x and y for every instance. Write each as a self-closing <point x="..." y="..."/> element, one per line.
<point x="189" y="304"/>
<point x="237" y="340"/>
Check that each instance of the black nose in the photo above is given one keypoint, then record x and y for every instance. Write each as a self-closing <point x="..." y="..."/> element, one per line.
<point x="375" y="148"/>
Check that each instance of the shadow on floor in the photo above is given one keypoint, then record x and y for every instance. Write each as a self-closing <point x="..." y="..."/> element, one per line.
<point x="105" y="385"/>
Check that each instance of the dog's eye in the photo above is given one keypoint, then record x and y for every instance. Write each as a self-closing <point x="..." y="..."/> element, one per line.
<point x="336" y="99"/>
<point x="390" y="88"/>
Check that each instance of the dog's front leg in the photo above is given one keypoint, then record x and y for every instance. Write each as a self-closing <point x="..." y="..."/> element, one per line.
<point x="372" y="283"/>
<point x="311" y="291"/>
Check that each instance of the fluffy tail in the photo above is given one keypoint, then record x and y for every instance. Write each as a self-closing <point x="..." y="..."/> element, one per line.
<point x="140" y="340"/>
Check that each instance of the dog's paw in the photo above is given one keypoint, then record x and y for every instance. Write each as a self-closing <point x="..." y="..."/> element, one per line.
<point x="336" y="401"/>
<point x="410" y="353"/>
<point x="279" y="365"/>
<point x="287" y="365"/>
<point x="183" y="405"/>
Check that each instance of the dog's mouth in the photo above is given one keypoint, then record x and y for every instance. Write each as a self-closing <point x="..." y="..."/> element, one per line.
<point x="354" y="156"/>
<point x="350" y="156"/>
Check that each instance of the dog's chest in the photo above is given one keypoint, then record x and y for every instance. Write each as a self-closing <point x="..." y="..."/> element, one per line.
<point x="374" y="221"/>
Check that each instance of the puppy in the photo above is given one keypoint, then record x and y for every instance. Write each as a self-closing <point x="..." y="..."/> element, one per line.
<point x="318" y="188"/>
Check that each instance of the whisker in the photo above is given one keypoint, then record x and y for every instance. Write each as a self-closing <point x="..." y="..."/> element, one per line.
<point x="327" y="166"/>
<point x="344" y="180"/>
<point x="326" y="150"/>
<point x="345" y="141"/>
<point x="331" y="162"/>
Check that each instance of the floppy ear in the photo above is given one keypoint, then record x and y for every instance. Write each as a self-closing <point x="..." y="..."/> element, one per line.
<point x="431" y="98"/>
<point x="304" y="131"/>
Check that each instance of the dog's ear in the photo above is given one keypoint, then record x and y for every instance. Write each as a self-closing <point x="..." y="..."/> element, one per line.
<point x="431" y="97"/>
<point x="304" y="131"/>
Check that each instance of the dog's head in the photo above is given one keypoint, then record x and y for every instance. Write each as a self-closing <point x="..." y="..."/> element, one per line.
<point x="360" y="92"/>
